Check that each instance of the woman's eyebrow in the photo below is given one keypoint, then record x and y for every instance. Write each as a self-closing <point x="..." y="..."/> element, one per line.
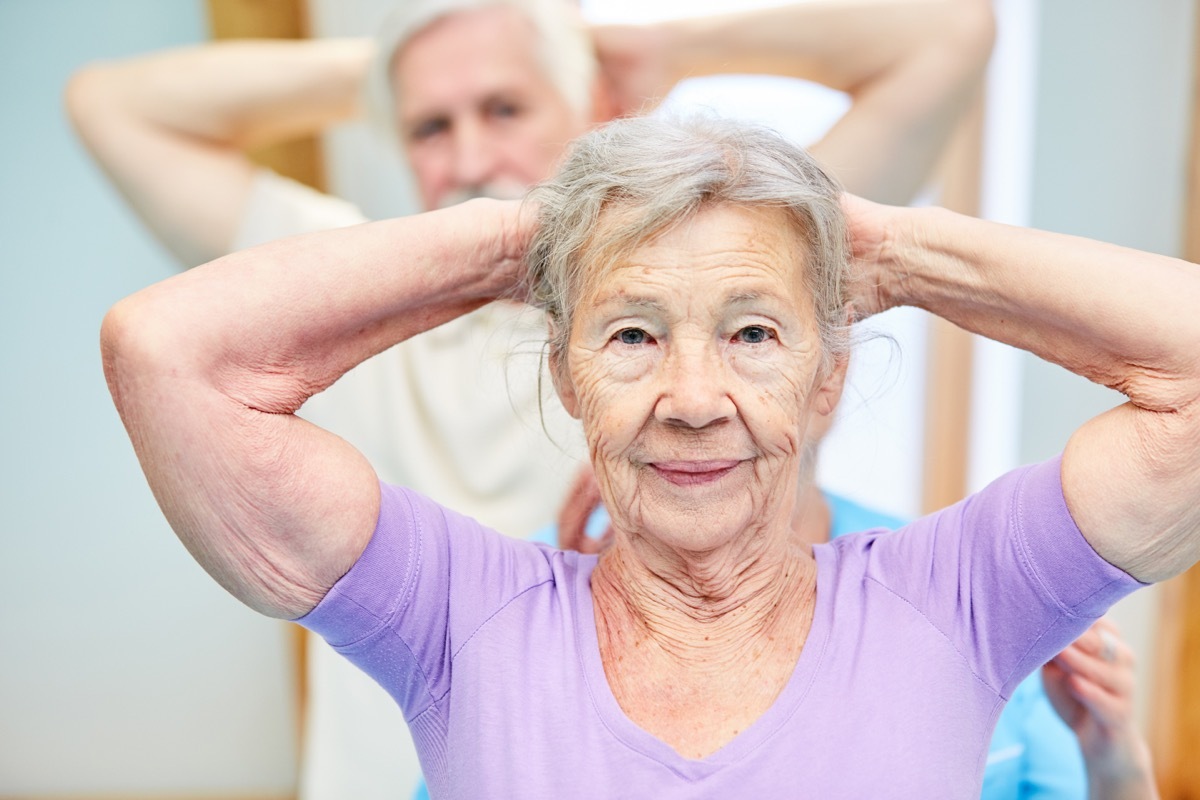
<point x="631" y="301"/>
<point x="742" y="297"/>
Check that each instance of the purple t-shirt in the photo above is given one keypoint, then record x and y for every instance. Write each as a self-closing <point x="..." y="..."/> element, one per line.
<point x="489" y="646"/>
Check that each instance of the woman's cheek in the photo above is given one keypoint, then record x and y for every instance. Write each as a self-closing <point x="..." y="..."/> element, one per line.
<point x="607" y="387"/>
<point x="770" y="400"/>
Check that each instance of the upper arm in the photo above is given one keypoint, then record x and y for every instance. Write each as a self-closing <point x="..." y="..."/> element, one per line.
<point x="188" y="190"/>
<point x="274" y="508"/>
<point x="1130" y="478"/>
<point x="1005" y="575"/>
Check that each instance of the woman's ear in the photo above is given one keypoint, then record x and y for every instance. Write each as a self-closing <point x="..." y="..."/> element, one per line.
<point x="561" y="377"/>
<point x="829" y="391"/>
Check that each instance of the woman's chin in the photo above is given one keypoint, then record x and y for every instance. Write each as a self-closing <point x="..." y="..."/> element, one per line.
<point x="696" y="530"/>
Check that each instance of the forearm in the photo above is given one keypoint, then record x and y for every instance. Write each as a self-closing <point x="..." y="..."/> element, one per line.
<point x="1122" y="318"/>
<point x="208" y="367"/>
<point x="911" y="69"/>
<point x="1092" y="307"/>
<point x="303" y="310"/>
<point x="843" y="44"/>
<point x="169" y="128"/>
<point x="237" y="94"/>
<point x="1125" y="772"/>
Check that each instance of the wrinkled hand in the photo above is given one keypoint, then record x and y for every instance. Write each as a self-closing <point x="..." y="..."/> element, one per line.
<point x="508" y="229"/>
<point x="633" y="63"/>
<point x="872" y="230"/>
<point x="1091" y="686"/>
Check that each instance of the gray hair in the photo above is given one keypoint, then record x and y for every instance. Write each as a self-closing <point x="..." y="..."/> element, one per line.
<point x="564" y="48"/>
<point x="647" y="174"/>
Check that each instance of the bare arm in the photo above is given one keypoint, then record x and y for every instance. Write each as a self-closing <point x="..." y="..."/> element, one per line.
<point x="1120" y="317"/>
<point x="208" y="368"/>
<point x="910" y="66"/>
<point x="1091" y="686"/>
<point x="170" y="129"/>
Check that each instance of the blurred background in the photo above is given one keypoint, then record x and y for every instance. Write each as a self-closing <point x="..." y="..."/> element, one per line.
<point x="126" y="672"/>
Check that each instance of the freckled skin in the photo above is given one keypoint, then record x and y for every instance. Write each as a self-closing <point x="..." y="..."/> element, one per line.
<point x="694" y="366"/>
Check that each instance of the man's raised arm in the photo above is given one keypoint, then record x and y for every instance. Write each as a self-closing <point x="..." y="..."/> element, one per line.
<point x="170" y="128"/>
<point x="910" y="67"/>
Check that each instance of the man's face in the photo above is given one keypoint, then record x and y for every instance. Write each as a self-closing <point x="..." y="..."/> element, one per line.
<point x="477" y="114"/>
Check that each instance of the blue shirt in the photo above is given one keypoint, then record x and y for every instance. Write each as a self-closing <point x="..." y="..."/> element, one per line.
<point x="1033" y="755"/>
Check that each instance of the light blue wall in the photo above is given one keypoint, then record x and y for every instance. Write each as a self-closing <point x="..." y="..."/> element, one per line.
<point x="123" y="668"/>
<point x="1110" y="162"/>
<point x="1114" y="99"/>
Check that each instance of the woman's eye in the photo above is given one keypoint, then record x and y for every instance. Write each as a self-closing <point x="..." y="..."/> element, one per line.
<point x="632" y="336"/>
<point x="754" y="334"/>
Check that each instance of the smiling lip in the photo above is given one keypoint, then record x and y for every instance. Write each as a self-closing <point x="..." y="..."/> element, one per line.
<point x="693" y="473"/>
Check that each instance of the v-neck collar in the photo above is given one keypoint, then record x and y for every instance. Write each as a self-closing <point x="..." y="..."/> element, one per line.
<point x="759" y="732"/>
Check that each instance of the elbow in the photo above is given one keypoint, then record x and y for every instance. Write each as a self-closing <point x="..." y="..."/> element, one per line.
<point x="89" y="92"/>
<point x="118" y="343"/>
<point x="973" y="24"/>
<point x="134" y="347"/>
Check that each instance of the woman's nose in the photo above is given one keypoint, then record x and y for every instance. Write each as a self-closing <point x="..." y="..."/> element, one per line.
<point x="694" y="391"/>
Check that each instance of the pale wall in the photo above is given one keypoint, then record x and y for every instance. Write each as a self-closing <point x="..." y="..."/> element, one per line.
<point x="123" y="668"/>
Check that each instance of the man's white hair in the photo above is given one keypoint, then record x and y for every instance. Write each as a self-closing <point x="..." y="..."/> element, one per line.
<point x="564" y="48"/>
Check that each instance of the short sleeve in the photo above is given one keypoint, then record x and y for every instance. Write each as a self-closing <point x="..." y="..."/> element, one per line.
<point x="1005" y="575"/>
<point x="427" y="580"/>
<point x="277" y="207"/>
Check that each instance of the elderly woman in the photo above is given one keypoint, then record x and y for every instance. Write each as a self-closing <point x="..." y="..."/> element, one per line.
<point x="694" y="278"/>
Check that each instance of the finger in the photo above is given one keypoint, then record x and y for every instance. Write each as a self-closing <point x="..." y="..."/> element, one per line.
<point x="1107" y="708"/>
<point x="1115" y="676"/>
<point x="1102" y="640"/>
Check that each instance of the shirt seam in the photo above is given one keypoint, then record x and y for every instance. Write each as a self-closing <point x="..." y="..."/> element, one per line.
<point x="492" y="616"/>
<point x="949" y="640"/>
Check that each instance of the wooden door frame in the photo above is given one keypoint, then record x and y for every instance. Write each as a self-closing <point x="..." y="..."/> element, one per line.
<point x="302" y="160"/>
<point x="1175" y="704"/>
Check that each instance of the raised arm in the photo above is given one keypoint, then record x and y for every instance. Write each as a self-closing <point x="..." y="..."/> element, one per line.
<point x="909" y="66"/>
<point x="170" y="129"/>
<point x="207" y="369"/>
<point x="1120" y="317"/>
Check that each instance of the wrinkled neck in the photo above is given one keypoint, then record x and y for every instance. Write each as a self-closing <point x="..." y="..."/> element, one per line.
<point x="706" y="609"/>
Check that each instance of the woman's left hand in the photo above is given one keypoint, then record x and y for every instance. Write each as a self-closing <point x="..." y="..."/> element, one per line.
<point x="1091" y="685"/>
<point x="872" y="231"/>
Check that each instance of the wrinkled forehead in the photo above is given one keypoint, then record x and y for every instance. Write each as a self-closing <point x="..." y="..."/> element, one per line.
<point x="746" y="243"/>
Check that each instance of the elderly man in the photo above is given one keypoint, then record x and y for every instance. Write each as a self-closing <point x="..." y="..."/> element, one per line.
<point x="483" y="96"/>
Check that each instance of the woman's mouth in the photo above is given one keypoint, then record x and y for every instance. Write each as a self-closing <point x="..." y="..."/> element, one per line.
<point x="693" y="473"/>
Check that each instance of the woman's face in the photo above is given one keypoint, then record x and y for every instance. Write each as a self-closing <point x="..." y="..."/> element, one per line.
<point x="694" y="366"/>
